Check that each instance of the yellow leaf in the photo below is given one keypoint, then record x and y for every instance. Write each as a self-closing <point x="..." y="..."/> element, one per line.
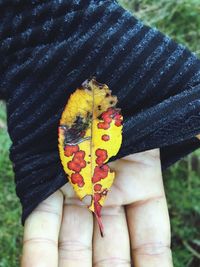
<point x="90" y="132"/>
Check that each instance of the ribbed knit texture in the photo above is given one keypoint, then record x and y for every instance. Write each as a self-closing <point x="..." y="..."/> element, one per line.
<point x="48" y="48"/>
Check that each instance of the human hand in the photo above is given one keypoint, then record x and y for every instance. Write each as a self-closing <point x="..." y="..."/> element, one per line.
<point x="61" y="230"/>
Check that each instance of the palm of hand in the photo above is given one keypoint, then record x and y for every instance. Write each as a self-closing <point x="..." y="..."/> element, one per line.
<point x="135" y="218"/>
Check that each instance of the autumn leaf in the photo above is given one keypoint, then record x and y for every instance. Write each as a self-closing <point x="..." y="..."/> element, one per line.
<point x="90" y="132"/>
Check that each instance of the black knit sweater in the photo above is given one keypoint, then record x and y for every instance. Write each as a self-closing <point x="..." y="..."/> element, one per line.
<point x="48" y="48"/>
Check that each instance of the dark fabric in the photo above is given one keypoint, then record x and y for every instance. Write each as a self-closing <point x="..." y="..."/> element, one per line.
<point x="48" y="48"/>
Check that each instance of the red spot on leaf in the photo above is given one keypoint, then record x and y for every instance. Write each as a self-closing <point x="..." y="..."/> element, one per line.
<point x="97" y="187"/>
<point x="101" y="156"/>
<point x="108" y="116"/>
<point x="70" y="150"/>
<point x="103" y="125"/>
<point x="76" y="178"/>
<point x="78" y="162"/>
<point x="100" y="173"/>
<point x="105" y="137"/>
<point x="118" y="119"/>
<point x="80" y="154"/>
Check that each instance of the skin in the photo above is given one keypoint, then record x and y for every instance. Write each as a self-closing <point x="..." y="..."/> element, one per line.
<point x="62" y="232"/>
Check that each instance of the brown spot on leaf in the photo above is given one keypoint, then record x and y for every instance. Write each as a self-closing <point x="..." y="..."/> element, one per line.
<point x="100" y="85"/>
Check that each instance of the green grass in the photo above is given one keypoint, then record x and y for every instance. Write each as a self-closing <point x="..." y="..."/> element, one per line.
<point x="180" y="20"/>
<point x="182" y="185"/>
<point x="10" y="225"/>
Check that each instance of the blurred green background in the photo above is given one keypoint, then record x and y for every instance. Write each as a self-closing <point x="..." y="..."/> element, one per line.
<point x="180" y="19"/>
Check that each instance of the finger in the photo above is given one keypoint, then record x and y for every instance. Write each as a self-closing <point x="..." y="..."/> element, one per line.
<point x="149" y="227"/>
<point x="40" y="244"/>
<point x="135" y="175"/>
<point x="114" y="248"/>
<point x="75" y="239"/>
